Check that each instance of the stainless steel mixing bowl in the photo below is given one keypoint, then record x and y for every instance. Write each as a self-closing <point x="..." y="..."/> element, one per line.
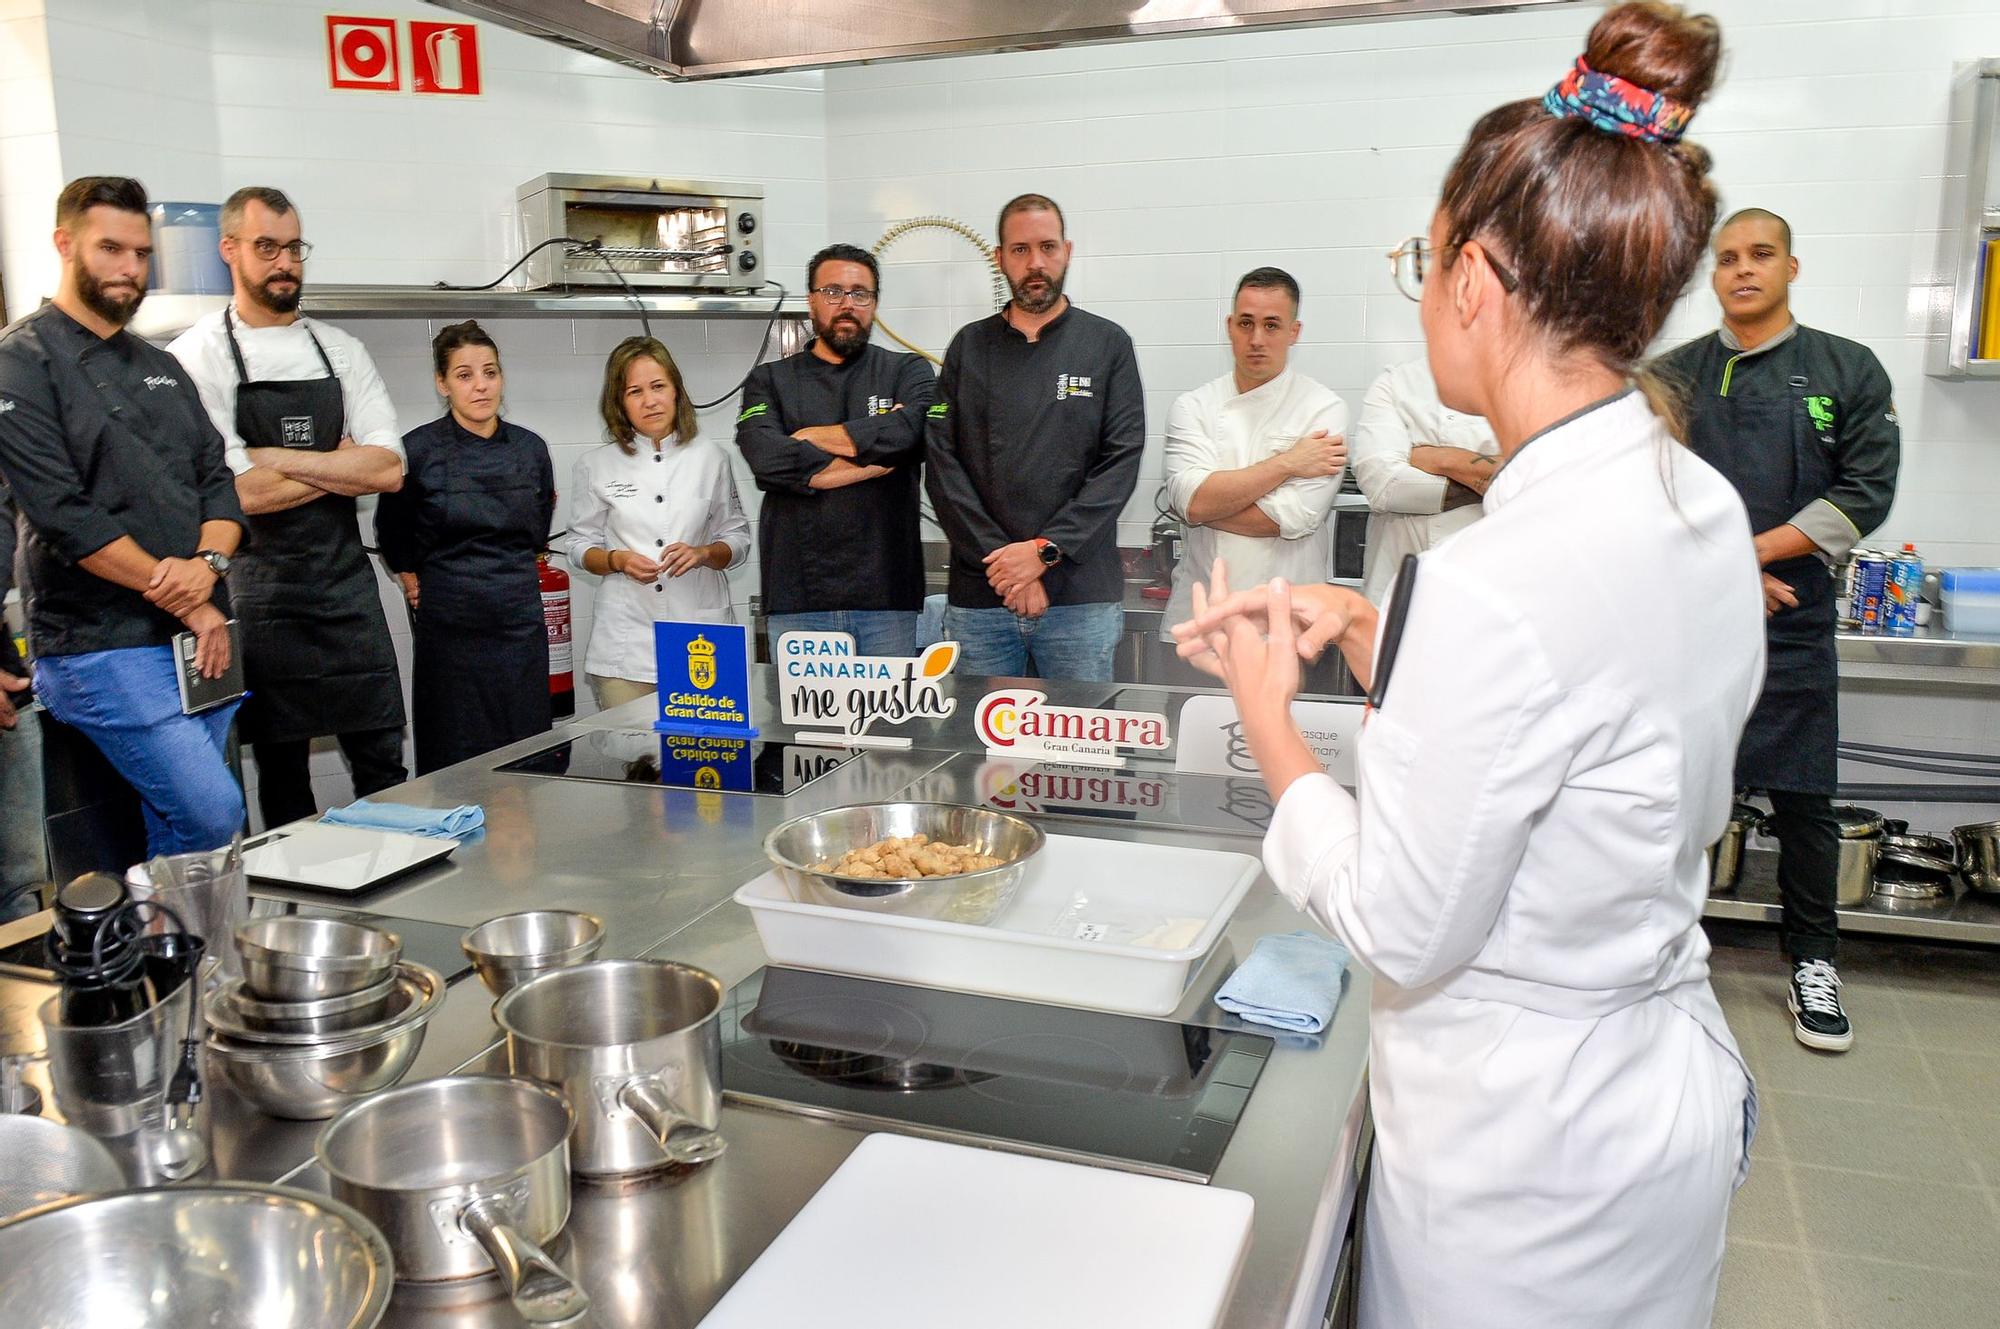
<point x="314" y="1081"/>
<point x="509" y="950"/>
<point x="799" y="846"/>
<point x="294" y="958"/>
<point x="224" y="1256"/>
<point x="412" y="986"/>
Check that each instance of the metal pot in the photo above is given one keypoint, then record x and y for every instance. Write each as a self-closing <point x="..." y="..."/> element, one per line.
<point x="1858" y="823"/>
<point x="636" y="1048"/>
<point x="1856" y="879"/>
<point x="1979" y="855"/>
<point x="464" y="1175"/>
<point x="1725" y="856"/>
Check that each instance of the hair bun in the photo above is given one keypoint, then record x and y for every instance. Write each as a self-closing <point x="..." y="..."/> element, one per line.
<point x="1660" y="47"/>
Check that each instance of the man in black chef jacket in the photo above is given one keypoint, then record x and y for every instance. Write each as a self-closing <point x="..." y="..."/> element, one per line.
<point x="130" y="518"/>
<point x="1802" y="423"/>
<point x="1034" y="450"/>
<point x="308" y="430"/>
<point x="835" y="437"/>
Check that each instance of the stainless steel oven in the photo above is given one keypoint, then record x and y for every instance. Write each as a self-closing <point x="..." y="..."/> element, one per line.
<point x="656" y="234"/>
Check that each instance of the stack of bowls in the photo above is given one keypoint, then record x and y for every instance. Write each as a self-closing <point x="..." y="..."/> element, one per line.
<point x="509" y="950"/>
<point x="326" y="1012"/>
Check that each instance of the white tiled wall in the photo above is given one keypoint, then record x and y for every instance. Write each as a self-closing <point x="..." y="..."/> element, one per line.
<point x="197" y="97"/>
<point x="30" y="165"/>
<point x="1183" y="163"/>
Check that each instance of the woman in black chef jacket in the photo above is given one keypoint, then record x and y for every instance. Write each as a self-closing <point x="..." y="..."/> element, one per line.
<point x="462" y="536"/>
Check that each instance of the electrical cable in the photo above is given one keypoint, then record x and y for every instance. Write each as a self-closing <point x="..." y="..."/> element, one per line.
<point x="518" y="263"/>
<point x="756" y="357"/>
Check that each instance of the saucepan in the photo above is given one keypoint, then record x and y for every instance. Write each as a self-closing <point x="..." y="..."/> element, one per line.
<point x="464" y="1175"/>
<point x="636" y="1048"/>
<point x="1725" y="856"/>
<point x="1979" y="855"/>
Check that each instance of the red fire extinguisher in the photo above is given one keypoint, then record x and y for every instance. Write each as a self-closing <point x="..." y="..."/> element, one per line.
<point x="555" y="617"/>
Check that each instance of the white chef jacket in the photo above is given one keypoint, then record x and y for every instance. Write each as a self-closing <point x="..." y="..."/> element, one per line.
<point x="1401" y="410"/>
<point x="665" y="493"/>
<point x="1559" y="1104"/>
<point x="1216" y="428"/>
<point x="286" y="352"/>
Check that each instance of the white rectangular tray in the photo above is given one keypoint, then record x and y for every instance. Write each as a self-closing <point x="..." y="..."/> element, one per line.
<point x="327" y="857"/>
<point x="1098" y="923"/>
<point x="917" y="1232"/>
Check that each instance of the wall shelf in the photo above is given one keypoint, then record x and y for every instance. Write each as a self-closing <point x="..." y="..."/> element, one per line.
<point x="164" y="316"/>
<point x="1971" y="218"/>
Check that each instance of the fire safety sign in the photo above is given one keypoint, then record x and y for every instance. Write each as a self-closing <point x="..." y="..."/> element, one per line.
<point x="444" y="59"/>
<point x="363" y="53"/>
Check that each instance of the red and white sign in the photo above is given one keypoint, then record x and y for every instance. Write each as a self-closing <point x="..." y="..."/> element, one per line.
<point x="444" y="59"/>
<point x="361" y="53"/>
<point x="1023" y="724"/>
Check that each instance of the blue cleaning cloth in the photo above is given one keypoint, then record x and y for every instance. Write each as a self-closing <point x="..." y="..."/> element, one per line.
<point x="438" y="823"/>
<point x="1291" y="981"/>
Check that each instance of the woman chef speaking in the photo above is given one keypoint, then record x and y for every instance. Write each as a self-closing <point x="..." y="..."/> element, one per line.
<point x="1561" y="1112"/>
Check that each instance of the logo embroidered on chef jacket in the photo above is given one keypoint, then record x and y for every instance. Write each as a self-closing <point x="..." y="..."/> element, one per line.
<point x="938" y="412"/>
<point x="162" y="381"/>
<point x="752" y="412"/>
<point x="1821" y="410"/>
<point x="880" y="405"/>
<point x="296" y="431"/>
<point x="6" y="405"/>
<point x="620" y="489"/>
<point x="1073" y="385"/>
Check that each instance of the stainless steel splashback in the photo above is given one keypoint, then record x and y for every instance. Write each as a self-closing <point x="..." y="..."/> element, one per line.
<point x="698" y="39"/>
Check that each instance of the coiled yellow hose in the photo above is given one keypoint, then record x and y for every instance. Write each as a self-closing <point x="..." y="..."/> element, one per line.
<point x="965" y="233"/>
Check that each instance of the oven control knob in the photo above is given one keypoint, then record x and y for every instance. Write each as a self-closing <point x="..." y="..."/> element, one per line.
<point x="746" y="222"/>
<point x="747" y="262"/>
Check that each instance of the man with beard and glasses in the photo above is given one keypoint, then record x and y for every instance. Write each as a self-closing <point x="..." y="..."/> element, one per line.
<point x="835" y="437"/>
<point x="309" y="430"/>
<point x="1034" y="450"/>
<point x="128" y="520"/>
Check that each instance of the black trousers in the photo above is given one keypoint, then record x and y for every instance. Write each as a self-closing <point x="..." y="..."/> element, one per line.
<point x="1808" y="872"/>
<point x="284" y="781"/>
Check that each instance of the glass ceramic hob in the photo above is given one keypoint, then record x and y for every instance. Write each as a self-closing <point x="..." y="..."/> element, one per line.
<point x="1147" y="1096"/>
<point x="683" y="761"/>
<point x="1136" y="796"/>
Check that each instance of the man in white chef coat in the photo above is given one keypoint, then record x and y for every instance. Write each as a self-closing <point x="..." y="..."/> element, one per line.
<point x="1254" y="458"/>
<point x="308" y="429"/>
<point x="1423" y="466"/>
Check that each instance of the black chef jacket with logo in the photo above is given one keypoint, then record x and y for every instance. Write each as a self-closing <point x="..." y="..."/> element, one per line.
<point x="1037" y="438"/>
<point x="859" y="547"/>
<point x="102" y="438"/>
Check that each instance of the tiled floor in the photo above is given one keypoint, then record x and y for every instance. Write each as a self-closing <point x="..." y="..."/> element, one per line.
<point x="1874" y="1193"/>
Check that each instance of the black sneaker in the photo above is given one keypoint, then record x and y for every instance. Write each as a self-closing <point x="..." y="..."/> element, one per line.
<point x="1817" y="1019"/>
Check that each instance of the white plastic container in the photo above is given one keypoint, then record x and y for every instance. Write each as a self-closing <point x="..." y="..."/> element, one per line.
<point x="1097" y="923"/>
<point x="1971" y="600"/>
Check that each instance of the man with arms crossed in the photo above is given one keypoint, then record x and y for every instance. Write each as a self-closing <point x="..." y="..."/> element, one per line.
<point x="309" y="430"/>
<point x="1253" y="458"/>
<point x="835" y="437"/>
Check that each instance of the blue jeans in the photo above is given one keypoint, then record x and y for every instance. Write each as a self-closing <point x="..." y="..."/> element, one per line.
<point x="1069" y="641"/>
<point x="875" y="631"/>
<point x="128" y="703"/>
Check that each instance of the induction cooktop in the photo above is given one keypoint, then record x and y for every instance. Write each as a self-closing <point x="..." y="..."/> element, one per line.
<point x="683" y="761"/>
<point x="1147" y="1096"/>
<point x="1137" y="796"/>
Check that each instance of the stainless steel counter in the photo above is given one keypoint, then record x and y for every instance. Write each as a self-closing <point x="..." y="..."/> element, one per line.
<point x="660" y="866"/>
<point x="1932" y="658"/>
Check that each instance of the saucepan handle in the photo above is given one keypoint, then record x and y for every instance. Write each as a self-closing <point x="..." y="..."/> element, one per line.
<point x="682" y="1139"/>
<point x="538" y="1287"/>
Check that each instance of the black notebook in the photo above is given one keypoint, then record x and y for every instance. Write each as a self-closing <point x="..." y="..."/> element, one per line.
<point x="200" y="694"/>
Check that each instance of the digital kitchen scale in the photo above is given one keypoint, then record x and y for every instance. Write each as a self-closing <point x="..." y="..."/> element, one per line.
<point x="683" y="761"/>
<point x="1147" y="1096"/>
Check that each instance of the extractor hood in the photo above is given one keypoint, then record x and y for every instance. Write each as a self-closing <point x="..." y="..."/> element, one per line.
<point x="698" y="39"/>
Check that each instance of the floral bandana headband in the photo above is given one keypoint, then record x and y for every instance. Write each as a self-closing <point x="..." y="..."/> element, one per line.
<point x="1617" y="107"/>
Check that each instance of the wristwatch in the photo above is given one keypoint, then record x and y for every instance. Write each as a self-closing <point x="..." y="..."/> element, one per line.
<point x="218" y="562"/>
<point x="1050" y="553"/>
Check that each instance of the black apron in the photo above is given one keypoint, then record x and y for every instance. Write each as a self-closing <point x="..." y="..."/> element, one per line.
<point x="480" y="648"/>
<point x="1770" y="449"/>
<point x="316" y="649"/>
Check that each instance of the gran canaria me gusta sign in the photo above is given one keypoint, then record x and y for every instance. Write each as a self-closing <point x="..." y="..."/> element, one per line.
<point x="824" y="681"/>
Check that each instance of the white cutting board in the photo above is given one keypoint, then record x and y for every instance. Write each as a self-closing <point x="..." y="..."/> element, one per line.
<point x="916" y="1233"/>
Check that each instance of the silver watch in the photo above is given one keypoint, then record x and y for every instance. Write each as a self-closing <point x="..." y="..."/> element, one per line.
<point x="218" y="562"/>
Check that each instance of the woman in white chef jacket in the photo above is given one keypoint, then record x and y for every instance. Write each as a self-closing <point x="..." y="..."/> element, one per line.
<point x="655" y="513"/>
<point x="1561" y="1112"/>
<point x="1422" y="466"/>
